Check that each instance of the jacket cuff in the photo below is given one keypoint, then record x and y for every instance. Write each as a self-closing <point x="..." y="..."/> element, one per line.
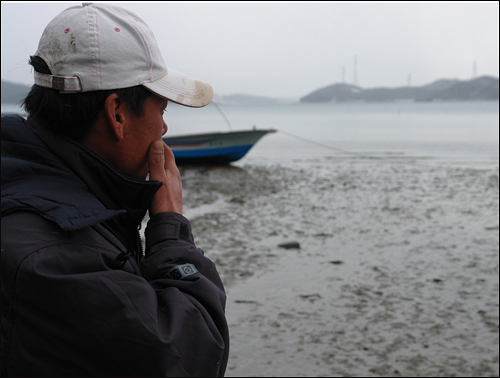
<point x="167" y="226"/>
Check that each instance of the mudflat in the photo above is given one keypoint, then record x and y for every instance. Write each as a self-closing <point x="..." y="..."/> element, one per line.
<point x="393" y="269"/>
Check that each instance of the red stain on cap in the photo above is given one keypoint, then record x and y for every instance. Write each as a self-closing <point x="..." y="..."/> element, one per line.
<point x="117" y="29"/>
<point x="67" y="30"/>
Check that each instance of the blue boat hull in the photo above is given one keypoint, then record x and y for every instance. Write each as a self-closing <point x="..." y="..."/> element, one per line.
<point x="213" y="148"/>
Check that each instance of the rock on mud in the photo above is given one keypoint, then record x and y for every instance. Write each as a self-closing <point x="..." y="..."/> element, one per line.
<point x="290" y="245"/>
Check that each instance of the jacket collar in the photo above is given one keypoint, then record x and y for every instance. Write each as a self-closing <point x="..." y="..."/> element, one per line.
<point x="113" y="188"/>
<point x="98" y="192"/>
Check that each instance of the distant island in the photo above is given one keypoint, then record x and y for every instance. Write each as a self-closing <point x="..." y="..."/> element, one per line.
<point x="481" y="88"/>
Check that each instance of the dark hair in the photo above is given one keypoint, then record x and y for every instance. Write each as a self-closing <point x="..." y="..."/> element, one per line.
<point x="73" y="115"/>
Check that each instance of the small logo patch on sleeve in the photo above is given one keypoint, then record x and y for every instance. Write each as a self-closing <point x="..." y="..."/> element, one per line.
<point x="182" y="271"/>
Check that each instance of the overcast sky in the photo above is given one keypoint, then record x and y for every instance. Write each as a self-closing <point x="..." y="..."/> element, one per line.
<point x="290" y="49"/>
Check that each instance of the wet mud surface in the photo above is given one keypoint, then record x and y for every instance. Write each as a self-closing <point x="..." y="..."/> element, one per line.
<point x="392" y="267"/>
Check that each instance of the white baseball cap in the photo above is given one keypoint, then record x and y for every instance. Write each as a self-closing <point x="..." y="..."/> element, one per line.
<point x="97" y="47"/>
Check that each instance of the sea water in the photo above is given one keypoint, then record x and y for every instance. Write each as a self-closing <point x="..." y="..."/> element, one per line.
<point x="447" y="131"/>
<point x="465" y="132"/>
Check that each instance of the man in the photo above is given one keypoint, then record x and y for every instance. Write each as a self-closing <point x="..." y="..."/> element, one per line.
<point x="79" y="296"/>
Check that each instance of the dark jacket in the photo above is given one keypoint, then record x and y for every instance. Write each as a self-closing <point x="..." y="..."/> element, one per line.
<point x="77" y="296"/>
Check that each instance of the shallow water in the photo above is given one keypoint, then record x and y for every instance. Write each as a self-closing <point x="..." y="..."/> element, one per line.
<point x="422" y="129"/>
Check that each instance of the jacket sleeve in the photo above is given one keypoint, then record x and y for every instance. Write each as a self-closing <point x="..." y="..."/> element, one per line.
<point x="72" y="308"/>
<point x="192" y="307"/>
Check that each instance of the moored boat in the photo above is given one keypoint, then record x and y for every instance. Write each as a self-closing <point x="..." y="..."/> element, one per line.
<point x="214" y="148"/>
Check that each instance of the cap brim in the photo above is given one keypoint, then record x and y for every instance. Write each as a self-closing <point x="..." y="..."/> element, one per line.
<point x="182" y="89"/>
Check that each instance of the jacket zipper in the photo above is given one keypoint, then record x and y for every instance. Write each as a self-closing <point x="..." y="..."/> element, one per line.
<point x="139" y="250"/>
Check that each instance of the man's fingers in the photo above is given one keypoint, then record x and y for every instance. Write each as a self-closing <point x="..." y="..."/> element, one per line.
<point x="162" y="168"/>
<point x="169" y="157"/>
<point x="156" y="159"/>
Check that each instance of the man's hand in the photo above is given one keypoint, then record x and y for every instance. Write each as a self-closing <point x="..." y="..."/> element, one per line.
<point x="162" y="168"/>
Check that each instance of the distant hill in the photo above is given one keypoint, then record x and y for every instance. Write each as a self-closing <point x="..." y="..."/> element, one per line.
<point x="13" y="93"/>
<point x="481" y="88"/>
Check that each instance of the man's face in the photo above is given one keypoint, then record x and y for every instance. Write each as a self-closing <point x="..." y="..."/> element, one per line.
<point x="139" y="133"/>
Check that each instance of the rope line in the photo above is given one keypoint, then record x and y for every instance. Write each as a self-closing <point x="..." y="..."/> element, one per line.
<point x="223" y="115"/>
<point x="318" y="143"/>
<point x="349" y="152"/>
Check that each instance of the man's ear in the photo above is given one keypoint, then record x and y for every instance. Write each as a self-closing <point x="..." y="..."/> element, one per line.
<point x="115" y="115"/>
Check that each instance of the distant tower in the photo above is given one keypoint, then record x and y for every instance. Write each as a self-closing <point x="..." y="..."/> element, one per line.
<point x="474" y="70"/>
<point x="355" y="73"/>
